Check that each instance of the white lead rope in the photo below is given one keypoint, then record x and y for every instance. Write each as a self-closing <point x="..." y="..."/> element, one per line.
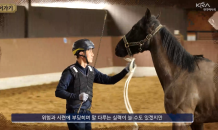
<point x="126" y="99"/>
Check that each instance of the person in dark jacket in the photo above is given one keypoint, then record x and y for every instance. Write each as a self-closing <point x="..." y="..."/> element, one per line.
<point x="76" y="82"/>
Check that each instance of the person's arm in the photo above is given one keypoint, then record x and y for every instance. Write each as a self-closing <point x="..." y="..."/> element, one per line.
<point x="61" y="90"/>
<point x="105" y="79"/>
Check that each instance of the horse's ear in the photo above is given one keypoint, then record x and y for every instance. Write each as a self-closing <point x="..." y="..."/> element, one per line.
<point x="147" y="14"/>
<point x="158" y="15"/>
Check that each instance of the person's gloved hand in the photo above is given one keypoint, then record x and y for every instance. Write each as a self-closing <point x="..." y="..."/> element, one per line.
<point x="83" y="96"/>
<point x="130" y="66"/>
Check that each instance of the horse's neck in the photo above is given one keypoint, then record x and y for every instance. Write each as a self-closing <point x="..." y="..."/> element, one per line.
<point x="166" y="70"/>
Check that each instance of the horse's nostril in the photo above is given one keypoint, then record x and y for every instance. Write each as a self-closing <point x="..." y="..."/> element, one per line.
<point x="116" y="52"/>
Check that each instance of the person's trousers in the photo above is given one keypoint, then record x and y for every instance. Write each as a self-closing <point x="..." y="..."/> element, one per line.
<point x="79" y="126"/>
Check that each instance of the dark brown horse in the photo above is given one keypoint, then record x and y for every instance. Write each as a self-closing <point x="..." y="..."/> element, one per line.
<point x="190" y="83"/>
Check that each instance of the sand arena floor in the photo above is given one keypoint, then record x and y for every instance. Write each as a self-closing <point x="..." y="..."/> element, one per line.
<point x="145" y="95"/>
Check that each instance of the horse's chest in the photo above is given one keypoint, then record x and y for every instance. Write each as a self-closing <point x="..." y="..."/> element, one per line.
<point x="179" y="98"/>
<point x="175" y="94"/>
<point x="173" y="97"/>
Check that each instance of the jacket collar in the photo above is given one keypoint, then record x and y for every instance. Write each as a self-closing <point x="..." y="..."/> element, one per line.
<point x="77" y="64"/>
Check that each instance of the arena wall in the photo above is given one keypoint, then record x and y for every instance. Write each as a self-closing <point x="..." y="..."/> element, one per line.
<point x="42" y="22"/>
<point x="207" y="48"/>
<point x="12" y="25"/>
<point x="33" y="61"/>
<point x="198" y="20"/>
<point x="62" y="22"/>
<point x="123" y="17"/>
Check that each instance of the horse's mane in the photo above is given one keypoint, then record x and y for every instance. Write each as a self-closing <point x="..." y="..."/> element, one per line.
<point x="176" y="53"/>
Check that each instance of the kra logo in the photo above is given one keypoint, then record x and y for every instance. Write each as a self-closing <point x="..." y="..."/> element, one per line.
<point x="202" y="4"/>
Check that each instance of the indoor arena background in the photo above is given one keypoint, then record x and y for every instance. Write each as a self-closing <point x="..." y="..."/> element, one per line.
<point x="36" y="43"/>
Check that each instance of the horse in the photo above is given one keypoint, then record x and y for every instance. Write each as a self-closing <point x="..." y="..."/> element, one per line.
<point x="189" y="82"/>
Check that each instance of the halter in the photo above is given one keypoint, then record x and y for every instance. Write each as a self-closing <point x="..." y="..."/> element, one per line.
<point x="140" y="43"/>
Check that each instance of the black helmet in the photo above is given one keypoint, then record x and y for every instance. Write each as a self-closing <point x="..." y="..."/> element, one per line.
<point x="82" y="45"/>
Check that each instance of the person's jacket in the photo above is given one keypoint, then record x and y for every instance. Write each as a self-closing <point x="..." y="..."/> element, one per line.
<point x="67" y="80"/>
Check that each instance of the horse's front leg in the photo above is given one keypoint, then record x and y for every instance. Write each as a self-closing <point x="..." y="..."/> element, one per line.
<point x="183" y="126"/>
<point x="197" y="126"/>
<point x="180" y="126"/>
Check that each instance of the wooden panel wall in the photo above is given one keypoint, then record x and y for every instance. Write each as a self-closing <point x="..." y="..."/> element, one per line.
<point x="31" y="56"/>
<point x="123" y="17"/>
<point x="63" y="22"/>
<point x="13" y="24"/>
<point x="198" y="20"/>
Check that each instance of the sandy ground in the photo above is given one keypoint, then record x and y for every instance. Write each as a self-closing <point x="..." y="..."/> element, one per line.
<point x="145" y="96"/>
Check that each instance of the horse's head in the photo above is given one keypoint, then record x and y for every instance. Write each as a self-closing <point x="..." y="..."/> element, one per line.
<point x="135" y="40"/>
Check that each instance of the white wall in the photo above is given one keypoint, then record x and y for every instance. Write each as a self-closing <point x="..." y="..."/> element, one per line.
<point x="29" y="80"/>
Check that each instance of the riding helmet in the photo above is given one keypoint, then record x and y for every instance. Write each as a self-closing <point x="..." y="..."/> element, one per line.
<point x="82" y="45"/>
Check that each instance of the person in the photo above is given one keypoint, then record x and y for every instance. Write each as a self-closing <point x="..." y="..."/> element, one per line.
<point x="76" y="82"/>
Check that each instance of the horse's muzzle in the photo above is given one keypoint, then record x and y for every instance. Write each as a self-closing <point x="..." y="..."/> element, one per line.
<point x="120" y="53"/>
